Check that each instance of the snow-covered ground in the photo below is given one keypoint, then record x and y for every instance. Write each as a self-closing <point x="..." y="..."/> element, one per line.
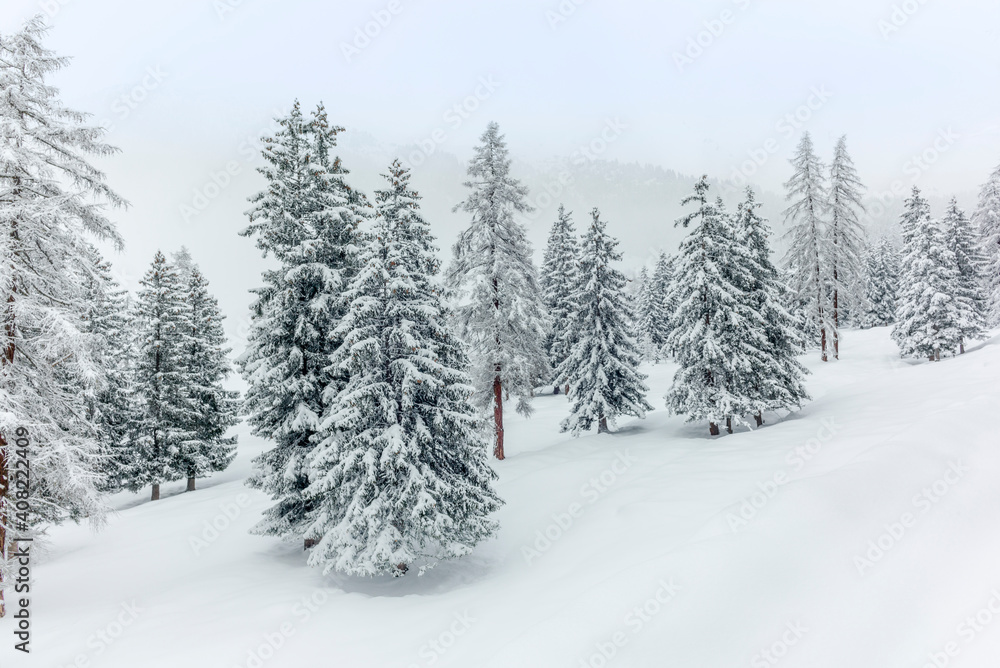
<point x="863" y="531"/>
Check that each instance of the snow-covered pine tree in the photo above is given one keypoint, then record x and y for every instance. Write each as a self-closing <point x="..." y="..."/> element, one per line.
<point x="662" y="304"/>
<point x="987" y="220"/>
<point x="971" y="264"/>
<point x="559" y="281"/>
<point x="881" y="284"/>
<point x="927" y="313"/>
<point x="499" y="307"/>
<point x="52" y="203"/>
<point x="306" y="219"/>
<point x="845" y="242"/>
<point x="709" y="336"/>
<point x="402" y="476"/>
<point x="602" y="368"/>
<point x="645" y="317"/>
<point x="807" y="255"/>
<point x="111" y="404"/>
<point x="212" y="408"/>
<point x="162" y="326"/>
<point x="776" y="382"/>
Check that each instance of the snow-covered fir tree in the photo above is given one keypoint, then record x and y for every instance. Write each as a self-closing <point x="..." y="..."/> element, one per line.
<point x="711" y="331"/>
<point x="402" y="475"/>
<point x="776" y="381"/>
<point x="807" y="255"/>
<point x="971" y="263"/>
<point x="53" y="203"/>
<point x="845" y="242"/>
<point x="987" y="220"/>
<point x="602" y="368"/>
<point x="881" y="284"/>
<point x="645" y="317"/>
<point x="306" y="220"/>
<point x="212" y="409"/>
<point x="662" y="305"/>
<point x="162" y="326"/>
<point x="498" y="301"/>
<point x="928" y="319"/>
<point x="559" y="281"/>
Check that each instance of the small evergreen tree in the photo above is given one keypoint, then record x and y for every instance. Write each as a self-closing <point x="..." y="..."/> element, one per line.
<point x="559" y="281"/>
<point x="402" y="473"/>
<point x="987" y="220"/>
<point x="881" y="284"/>
<point x="500" y="312"/>
<point x="662" y="306"/>
<point x="602" y="368"/>
<point x="971" y="264"/>
<point x="845" y="245"/>
<point x="927" y="315"/>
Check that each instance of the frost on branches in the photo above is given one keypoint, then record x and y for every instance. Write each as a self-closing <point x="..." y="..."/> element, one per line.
<point x="402" y="474"/>
<point x="499" y="307"/>
<point x="602" y="367"/>
<point x="987" y="220"/>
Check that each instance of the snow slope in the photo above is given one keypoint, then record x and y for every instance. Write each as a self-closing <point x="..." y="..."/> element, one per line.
<point x="649" y="560"/>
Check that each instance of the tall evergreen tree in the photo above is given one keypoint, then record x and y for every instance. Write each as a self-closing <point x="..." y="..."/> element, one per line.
<point x="499" y="308"/>
<point x="307" y="220"/>
<point x="971" y="264"/>
<point x="662" y="305"/>
<point x="881" y="284"/>
<point x="646" y="307"/>
<point x="807" y="255"/>
<point x="927" y="315"/>
<point x="162" y="325"/>
<point x="987" y="220"/>
<point x="602" y="368"/>
<point x="52" y="204"/>
<point x="402" y="474"/>
<point x="776" y="380"/>
<point x="845" y="245"/>
<point x="559" y="281"/>
<point x="211" y="408"/>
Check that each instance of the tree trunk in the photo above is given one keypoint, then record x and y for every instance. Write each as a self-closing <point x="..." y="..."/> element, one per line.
<point x="713" y="429"/>
<point x="729" y="425"/>
<point x="156" y="492"/>
<point x="961" y="346"/>
<point x="190" y="483"/>
<point x="556" y="389"/>
<point x="309" y="543"/>
<point x="822" y="333"/>
<point x="836" y="320"/>
<point x="4" y="482"/>
<point x="759" y="418"/>
<point x="567" y="390"/>
<point x="602" y="425"/>
<point x="498" y="415"/>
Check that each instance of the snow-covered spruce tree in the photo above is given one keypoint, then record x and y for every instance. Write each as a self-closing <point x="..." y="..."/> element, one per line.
<point x="559" y="281"/>
<point x="645" y="317"/>
<point x="52" y="203"/>
<point x="807" y="254"/>
<point x="111" y="404"/>
<point x="845" y="243"/>
<point x="402" y="475"/>
<point x="212" y="409"/>
<point x="881" y="284"/>
<point x="971" y="263"/>
<point x="306" y="219"/>
<point x="499" y="308"/>
<point x="987" y="220"/>
<point x="713" y="370"/>
<point x="662" y="303"/>
<point x="162" y="327"/>
<point x="602" y="368"/>
<point x="776" y="382"/>
<point x="927" y="314"/>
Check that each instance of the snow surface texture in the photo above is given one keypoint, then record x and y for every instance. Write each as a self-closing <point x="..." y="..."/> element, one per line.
<point x="658" y="523"/>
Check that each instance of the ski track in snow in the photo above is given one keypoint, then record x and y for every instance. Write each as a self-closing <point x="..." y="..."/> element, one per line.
<point x="666" y="518"/>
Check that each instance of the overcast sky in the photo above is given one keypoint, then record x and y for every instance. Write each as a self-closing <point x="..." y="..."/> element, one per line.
<point x="697" y="87"/>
